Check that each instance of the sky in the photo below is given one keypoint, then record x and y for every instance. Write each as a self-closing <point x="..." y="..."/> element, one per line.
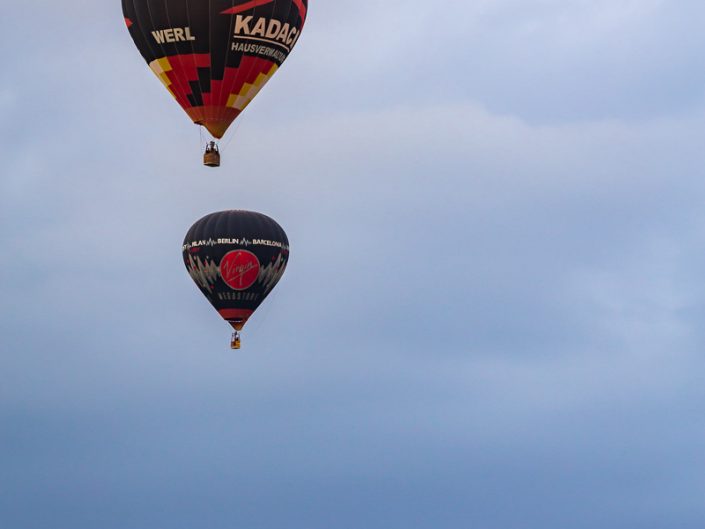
<point x="492" y="316"/>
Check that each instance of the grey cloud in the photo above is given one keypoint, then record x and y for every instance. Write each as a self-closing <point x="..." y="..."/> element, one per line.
<point x="492" y="316"/>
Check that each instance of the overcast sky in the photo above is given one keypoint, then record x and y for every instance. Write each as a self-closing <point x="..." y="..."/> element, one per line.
<point x="493" y="313"/>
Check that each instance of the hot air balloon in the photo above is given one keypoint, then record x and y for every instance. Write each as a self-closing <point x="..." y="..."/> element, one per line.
<point x="236" y="258"/>
<point x="214" y="56"/>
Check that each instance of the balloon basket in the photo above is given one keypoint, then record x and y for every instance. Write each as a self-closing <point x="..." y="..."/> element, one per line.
<point x="211" y="158"/>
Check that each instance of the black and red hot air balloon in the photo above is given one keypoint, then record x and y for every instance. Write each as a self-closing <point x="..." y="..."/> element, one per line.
<point x="214" y="56"/>
<point x="236" y="258"/>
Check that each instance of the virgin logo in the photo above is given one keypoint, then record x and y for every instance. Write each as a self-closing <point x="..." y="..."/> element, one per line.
<point x="239" y="269"/>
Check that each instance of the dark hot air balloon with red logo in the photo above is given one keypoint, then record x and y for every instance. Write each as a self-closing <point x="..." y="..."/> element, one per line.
<point x="236" y="258"/>
<point x="214" y="56"/>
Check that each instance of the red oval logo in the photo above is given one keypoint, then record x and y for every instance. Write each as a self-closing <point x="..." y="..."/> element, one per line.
<point x="239" y="269"/>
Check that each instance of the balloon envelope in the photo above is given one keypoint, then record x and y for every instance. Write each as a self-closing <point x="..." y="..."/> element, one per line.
<point x="214" y="56"/>
<point x="235" y="258"/>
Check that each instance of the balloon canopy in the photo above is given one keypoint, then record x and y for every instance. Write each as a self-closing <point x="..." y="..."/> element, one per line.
<point x="214" y="56"/>
<point x="236" y="258"/>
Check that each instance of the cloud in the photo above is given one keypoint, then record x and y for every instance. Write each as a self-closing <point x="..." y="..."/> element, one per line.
<point x="493" y="308"/>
